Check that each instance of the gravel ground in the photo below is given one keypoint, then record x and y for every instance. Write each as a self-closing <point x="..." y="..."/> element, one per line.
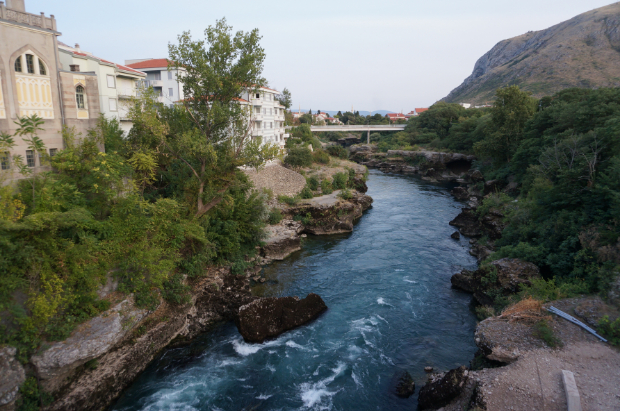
<point x="278" y="179"/>
<point x="534" y="381"/>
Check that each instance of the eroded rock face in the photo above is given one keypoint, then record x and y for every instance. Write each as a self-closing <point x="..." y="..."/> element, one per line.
<point x="12" y="375"/>
<point x="282" y="240"/>
<point x="269" y="317"/>
<point x="441" y="389"/>
<point x="504" y="276"/>
<point x="89" y="341"/>
<point x="467" y="223"/>
<point x="460" y="193"/>
<point x="330" y="214"/>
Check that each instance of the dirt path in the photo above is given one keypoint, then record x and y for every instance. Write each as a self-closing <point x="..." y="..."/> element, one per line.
<point x="535" y="381"/>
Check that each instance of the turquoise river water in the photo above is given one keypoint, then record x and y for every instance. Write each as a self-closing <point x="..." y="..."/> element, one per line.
<point x="391" y="308"/>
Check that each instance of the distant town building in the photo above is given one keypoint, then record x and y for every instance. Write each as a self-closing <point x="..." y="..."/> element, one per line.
<point x="116" y="83"/>
<point x="417" y="111"/>
<point x="163" y="80"/>
<point x="396" y="116"/>
<point x="32" y="82"/>
<point x="465" y="105"/>
<point x="333" y="120"/>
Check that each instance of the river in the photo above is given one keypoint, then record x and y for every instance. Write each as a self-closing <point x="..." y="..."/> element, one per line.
<point x="391" y="308"/>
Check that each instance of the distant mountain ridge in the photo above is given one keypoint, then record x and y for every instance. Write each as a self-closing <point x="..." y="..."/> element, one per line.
<point x="581" y="52"/>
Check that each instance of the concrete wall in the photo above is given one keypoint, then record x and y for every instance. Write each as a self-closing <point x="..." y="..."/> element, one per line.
<point x="81" y="119"/>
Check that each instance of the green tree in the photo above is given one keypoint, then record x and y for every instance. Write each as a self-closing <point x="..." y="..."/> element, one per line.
<point x="218" y="70"/>
<point x="29" y="126"/>
<point x="511" y="110"/>
<point x="285" y="98"/>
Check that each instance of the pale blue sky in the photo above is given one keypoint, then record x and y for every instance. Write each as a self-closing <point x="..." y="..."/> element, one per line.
<point x="331" y="55"/>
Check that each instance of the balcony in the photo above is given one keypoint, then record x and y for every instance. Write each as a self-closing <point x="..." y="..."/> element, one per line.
<point x="126" y="92"/>
<point x="153" y="83"/>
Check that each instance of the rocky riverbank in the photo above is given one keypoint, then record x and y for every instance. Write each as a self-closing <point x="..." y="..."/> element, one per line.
<point x="103" y="356"/>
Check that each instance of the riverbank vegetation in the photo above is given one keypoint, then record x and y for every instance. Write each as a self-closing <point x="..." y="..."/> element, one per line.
<point x="156" y="206"/>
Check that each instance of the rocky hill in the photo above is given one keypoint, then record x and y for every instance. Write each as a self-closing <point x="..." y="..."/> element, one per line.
<point x="581" y="52"/>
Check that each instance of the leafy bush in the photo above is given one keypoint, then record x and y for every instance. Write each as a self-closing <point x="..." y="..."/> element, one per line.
<point x="546" y="290"/>
<point x="275" y="216"/>
<point x="326" y="187"/>
<point x="313" y="183"/>
<point x="320" y="156"/>
<point x="543" y="331"/>
<point x="339" y="180"/>
<point x="175" y="290"/>
<point x="299" y="157"/>
<point x="345" y="194"/>
<point x="31" y="396"/>
<point x="610" y="330"/>
<point x="288" y="200"/>
<point x="338" y="151"/>
<point x="306" y="193"/>
<point x="495" y="200"/>
<point x="484" y="311"/>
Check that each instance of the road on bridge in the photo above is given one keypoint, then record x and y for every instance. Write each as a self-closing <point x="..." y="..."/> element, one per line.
<point x="360" y="127"/>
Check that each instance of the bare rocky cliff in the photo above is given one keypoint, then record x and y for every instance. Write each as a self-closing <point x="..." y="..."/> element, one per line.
<point x="581" y="52"/>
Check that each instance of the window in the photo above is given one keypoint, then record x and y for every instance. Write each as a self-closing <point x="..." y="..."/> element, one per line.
<point x="170" y="75"/>
<point x="30" y="158"/>
<point x="5" y="160"/>
<point x="170" y="92"/>
<point x="111" y="81"/>
<point x="42" y="70"/>
<point x="74" y="67"/>
<point x="157" y="75"/>
<point x="257" y="95"/>
<point x="53" y="152"/>
<point x="18" y="64"/>
<point x="30" y="63"/>
<point x="79" y="96"/>
<point x="112" y="104"/>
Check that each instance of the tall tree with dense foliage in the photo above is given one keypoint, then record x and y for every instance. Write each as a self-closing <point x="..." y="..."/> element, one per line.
<point x="511" y="110"/>
<point x="285" y="98"/>
<point x="218" y="70"/>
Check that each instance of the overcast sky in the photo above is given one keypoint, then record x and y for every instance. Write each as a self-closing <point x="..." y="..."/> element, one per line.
<point x="331" y="55"/>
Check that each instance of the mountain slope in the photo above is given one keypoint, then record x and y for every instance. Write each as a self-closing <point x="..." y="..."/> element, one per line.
<point x="581" y="52"/>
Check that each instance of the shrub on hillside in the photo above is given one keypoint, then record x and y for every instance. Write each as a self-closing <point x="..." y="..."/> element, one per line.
<point x="298" y="157"/>
<point x="326" y="187"/>
<point x="306" y="193"/>
<point x="338" y="151"/>
<point x="275" y="216"/>
<point x="288" y="200"/>
<point x="313" y="183"/>
<point x="340" y="181"/>
<point x="320" y="156"/>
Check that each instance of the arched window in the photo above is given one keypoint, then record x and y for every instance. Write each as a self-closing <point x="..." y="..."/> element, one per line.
<point x="18" y="64"/>
<point x="42" y="70"/>
<point x="30" y="63"/>
<point x="79" y="96"/>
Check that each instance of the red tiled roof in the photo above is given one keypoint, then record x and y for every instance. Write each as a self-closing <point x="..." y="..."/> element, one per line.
<point x="391" y="115"/>
<point x="153" y="63"/>
<point x="420" y="110"/>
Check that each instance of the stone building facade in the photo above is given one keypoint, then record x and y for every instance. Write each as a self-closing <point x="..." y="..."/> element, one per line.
<point x="33" y="82"/>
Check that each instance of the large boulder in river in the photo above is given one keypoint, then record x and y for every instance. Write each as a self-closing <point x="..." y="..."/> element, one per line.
<point x="505" y="276"/>
<point x="12" y="375"/>
<point x="441" y="389"/>
<point x="405" y="386"/>
<point x="269" y="317"/>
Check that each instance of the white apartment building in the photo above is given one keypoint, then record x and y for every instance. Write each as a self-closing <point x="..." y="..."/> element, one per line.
<point x="267" y="115"/>
<point x="117" y="83"/>
<point x="162" y="80"/>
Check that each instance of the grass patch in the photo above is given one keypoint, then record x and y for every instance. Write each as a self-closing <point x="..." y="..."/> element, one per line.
<point x="610" y="330"/>
<point x="543" y="331"/>
<point x="288" y="200"/>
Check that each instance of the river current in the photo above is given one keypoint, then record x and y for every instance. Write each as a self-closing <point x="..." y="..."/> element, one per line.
<point x="391" y="308"/>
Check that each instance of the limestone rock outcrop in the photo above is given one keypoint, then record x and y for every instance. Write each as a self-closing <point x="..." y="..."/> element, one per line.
<point x="282" y="240"/>
<point x="405" y="387"/>
<point x="89" y="341"/>
<point x="440" y="390"/>
<point x="12" y="375"/>
<point x="503" y="276"/>
<point x="269" y="317"/>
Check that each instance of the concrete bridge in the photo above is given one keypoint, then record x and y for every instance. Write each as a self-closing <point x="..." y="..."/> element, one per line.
<point x="360" y="127"/>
